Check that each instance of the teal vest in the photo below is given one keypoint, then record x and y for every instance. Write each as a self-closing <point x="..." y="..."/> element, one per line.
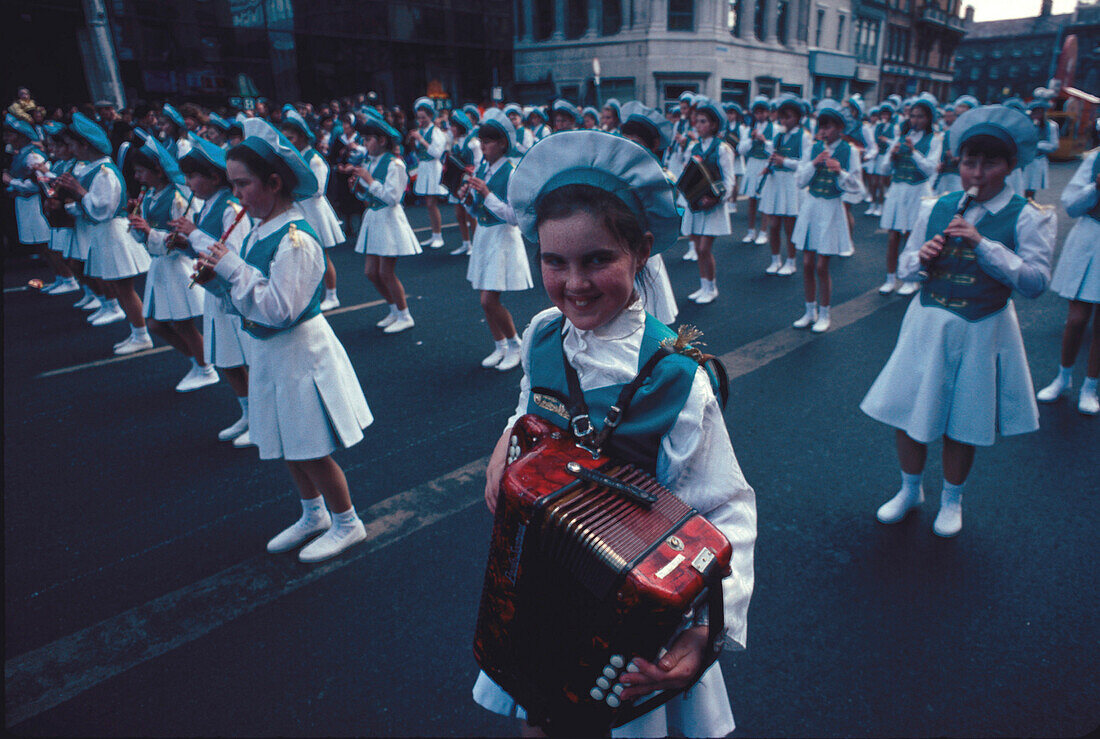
<point x="956" y="282"/>
<point x="498" y="185"/>
<point x="950" y="163"/>
<point x="710" y="156"/>
<point x="884" y="130"/>
<point x="422" y="150"/>
<point x="788" y="145"/>
<point x="157" y="209"/>
<point x="824" y="183"/>
<point x="87" y="178"/>
<point x="758" y="151"/>
<point x="1094" y="211"/>
<point x="541" y="132"/>
<point x="260" y="255"/>
<point x="379" y="173"/>
<point x="905" y="169"/>
<point x="463" y="151"/>
<point x="651" y="414"/>
<point x="212" y="220"/>
<point x="309" y="155"/>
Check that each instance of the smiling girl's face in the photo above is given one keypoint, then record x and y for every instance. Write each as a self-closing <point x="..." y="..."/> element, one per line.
<point x="587" y="271"/>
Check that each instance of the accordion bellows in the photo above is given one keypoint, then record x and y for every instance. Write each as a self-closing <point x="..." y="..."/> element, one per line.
<point x="582" y="578"/>
<point x="698" y="181"/>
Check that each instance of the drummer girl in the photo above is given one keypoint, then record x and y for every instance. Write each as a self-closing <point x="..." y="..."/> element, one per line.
<point x="598" y="206"/>
<point x="305" y="401"/>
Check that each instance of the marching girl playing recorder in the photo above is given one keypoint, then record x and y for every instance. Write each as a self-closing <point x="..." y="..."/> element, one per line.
<point x="779" y="195"/>
<point x="467" y="149"/>
<point x="884" y="133"/>
<point x="754" y="148"/>
<point x="498" y="261"/>
<point x="1035" y="174"/>
<point x="385" y="233"/>
<point x="1077" y="278"/>
<point x="318" y="209"/>
<point x="914" y="156"/>
<point x="169" y="305"/>
<point x="429" y="143"/>
<point x="102" y="231"/>
<point x="221" y="218"/>
<point x="821" y="230"/>
<point x="959" y="370"/>
<point x="735" y="131"/>
<point x="598" y="206"/>
<point x="524" y="138"/>
<point x="712" y="220"/>
<point x="305" y="401"/>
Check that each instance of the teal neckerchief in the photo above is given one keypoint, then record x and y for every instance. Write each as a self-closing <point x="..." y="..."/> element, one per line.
<point x="824" y="183"/>
<point x="87" y="178"/>
<point x="498" y="185"/>
<point x="956" y="282"/>
<point x="260" y="253"/>
<point x="379" y="173"/>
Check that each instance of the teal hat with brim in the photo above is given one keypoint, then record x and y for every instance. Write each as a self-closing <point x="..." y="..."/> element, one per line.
<point x="616" y="106"/>
<point x="495" y="119"/>
<point x="1015" y="103"/>
<point x="760" y="103"/>
<point x="687" y="96"/>
<point x="647" y="123"/>
<point x="537" y="111"/>
<point x="511" y="108"/>
<point x="265" y="140"/>
<point x="857" y="103"/>
<point x="53" y="128"/>
<point x="426" y="104"/>
<point x="291" y="117"/>
<point x="830" y="110"/>
<point x="459" y="117"/>
<point x="734" y="107"/>
<point x="967" y="100"/>
<point x="205" y="152"/>
<point x="90" y="132"/>
<point x="1006" y="124"/>
<point x="589" y="110"/>
<point x="929" y="103"/>
<point x="791" y="103"/>
<point x="374" y="123"/>
<point x="173" y="115"/>
<point x="472" y="111"/>
<point x="706" y="105"/>
<point x="153" y="149"/>
<point x="217" y="122"/>
<point x="1039" y="104"/>
<point x="612" y="163"/>
<point x="564" y="106"/>
<point x="20" y="126"/>
<point x="895" y="101"/>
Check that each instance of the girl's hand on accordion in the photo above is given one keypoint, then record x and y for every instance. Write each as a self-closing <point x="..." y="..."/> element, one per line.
<point x="707" y="202"/>
<point x="674" y="670"/>
<point x="495" y="471"/>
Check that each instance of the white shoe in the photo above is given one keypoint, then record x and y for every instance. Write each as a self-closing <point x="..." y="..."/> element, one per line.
<point x="48" y="289"/>
<point x="949" y="521"/>
<point x="808" y="319"/>
<point x="334" y="541"/>
<point x="399" y="324"/>
<point x="697" y="293"/>
<point x="124" y="342"/>
<point x="132" y="345"/>
<point x="427" y="241"/>
<point x="232" y="432"/>
<point x="299" y="532"/>
<point x="108" y="316"/>
<point x="243" y="440"/>
<point x="92" y="305"/>
<point x="908" y="288"/>
<point x="510" y="360"/>
<point x="897" y="507"/>
<point x="761" y="237"/>
<point x="464" y="249"/>
<point x="787" y="269"/>
<point x="1088" y="403"/>
<point x="708" y="296"/>
<point x="887" y="287"/>
<point x="198" y="378"/>
<point x="390" y="318"/>
<point x="329" y="304"/>
<point x="64" y="287"/>
<point x="84" y="300"/>
<point x="773" y="268"/>
<point x="1054" y="390"/>
<point x="749" y="237"/>
<point x="870" y="210"/>
<point x="436" y="242"/>
<point x="494" y="359"/>
<point x="821" y="325"/>
<point x="691" y="255"/>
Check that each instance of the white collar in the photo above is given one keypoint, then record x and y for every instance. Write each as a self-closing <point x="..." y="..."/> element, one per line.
<point x="492" y="168"/>
<point x="630" y="320"/>
<point x="272" y="225"/>
<point x="997" y="203"/>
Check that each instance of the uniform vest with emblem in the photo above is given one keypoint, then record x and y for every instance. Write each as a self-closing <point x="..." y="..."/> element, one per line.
<point x="87" y="178"/>
<point x="956" y="282"/>
<point x="788" y="146"/>
<point x="824" y="183"/>
<point x="886" y="131"/>
<point x="379" y="173"/>
<point x="906" y="169"/>
<point x="653" y="411"/>
<point x="498" y="185"/>
<point x="260" y="253"/>
<point x="213" y="215"/>
<point x="758" y="150"/>
<point x="422" y="148"/>
<point x="157" y="210"/>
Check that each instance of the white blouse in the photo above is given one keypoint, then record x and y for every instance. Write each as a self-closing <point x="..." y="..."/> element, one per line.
<point x="1080" y="195"/>
<point x="103" y="197"/>
<point x="392" y="190"/>
<point x="849" y="179"/>
<point x="500" y="208"/>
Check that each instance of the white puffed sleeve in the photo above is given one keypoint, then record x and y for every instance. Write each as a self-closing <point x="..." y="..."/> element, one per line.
<point x="726" y="164"/>
<point x="1080" y="195"/>
<point x="909" y="262"/>
<point x="103" y="197"/>
<point x="475" y="149"/>
<point x="392" y="190"/>
<point x="437" y="143"/>
<point x="1028" y="268"/>
<point x="929" y="164"/>
<point x="29" y="186"/>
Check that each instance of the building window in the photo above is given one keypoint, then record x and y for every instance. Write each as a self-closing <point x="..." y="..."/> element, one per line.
<point x="673" y="91"/>
<point x="867" y="40"/>
<point x="781" y="21"/>
<point x="576" y="18"/>
<point x="612" y="17"/>
<point x="620" y="88"/>
<point x="733" y="18"/>
<point x="736" y="91"/>
<point x="795" y="90"/>
<point x="681" y="15"/>
<point x="761" y="11"/>
<point x="840" y="31"/>
<point x="820" y="26"/>
<point x="544" y="19"/>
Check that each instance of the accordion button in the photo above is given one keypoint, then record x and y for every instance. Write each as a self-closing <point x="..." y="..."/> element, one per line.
<point x="613" y="701"/>
<point x="618" y="688"/>
<point x="610" y="672"/>
<point x="603" y="683"/>
<point x="617" y="661"/>
<point x="632" y="667"/>
<point x="596" y="693"/>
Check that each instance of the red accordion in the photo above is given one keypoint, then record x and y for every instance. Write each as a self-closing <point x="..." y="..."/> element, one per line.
<point x="592" y="563"/>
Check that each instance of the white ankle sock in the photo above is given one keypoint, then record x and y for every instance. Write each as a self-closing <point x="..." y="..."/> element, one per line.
<point x="513" y="341"/>
<point x="1065" y="374"/>
<point x="891" y="277"/>
<point x="952" y="493"/>
<point x="1089" y="385"/>
<point x="195" y="363"/>
<point x="404" y="313"/>
<point x="313" y="508"/>
<point x="88" y="292"/>
<point x="502" y="345"/>
<point x="437" y="235"/>
<point x="823" y="312"/>
<point x="811" y="308"/>
<point x="141" y="333"/>
<point x="113" y="305"/>
<point x="330" y="294"/>
<point x="776" y="259"/>
<point x="911" y="483"/>
<point x="346" y="519"/>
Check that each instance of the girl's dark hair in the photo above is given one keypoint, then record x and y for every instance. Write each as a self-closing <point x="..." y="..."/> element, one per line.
<point x="491" y="132"/>
<point x="189" y="165"/>
<point x="642" y="131"/>
<point x="263" y="169"/>
<point x="613" y="213"/>
<point x="988" y="146"/>
<point x="141" y="159"/>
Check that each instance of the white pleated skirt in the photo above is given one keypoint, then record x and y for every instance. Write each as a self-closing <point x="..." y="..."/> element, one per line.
<point x="780" y="195"/>
<point x="113" y="254"/>
<point x="656" y="290"/>
<point x="754" y="168"/>
<point x="712" y="222"/>
<point x="1035" y="174"/>
<point x="304" y="399"/>
<point x="822" y="227"/>
<point x="319" y="214"/>
<point x="61" y="240"/>
<point x="902" y="205"/>
<point x="386" y="233"/>
<point x="30" y="221"/>
<point x="427" y="178"/>
<point x="81" y="242"/>
<point x="968" y="380"/>
<point x="498" y="260"/>
<point x="883" y="166"/>
<point x="738" y="164"/>
<point x="167" y="296"/>
<point x="224" y="342"/>
<point x="1077" y="276"/>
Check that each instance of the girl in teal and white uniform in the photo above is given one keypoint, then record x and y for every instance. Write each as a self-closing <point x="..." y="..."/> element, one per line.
<point x="467" y="149"/>
<point x="429" y="144"/>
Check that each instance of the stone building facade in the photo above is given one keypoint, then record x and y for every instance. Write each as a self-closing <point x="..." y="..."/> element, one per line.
<point x="919" y="45"/>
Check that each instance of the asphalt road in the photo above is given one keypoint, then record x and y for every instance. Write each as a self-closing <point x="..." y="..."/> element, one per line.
<point x="140" y="601"/>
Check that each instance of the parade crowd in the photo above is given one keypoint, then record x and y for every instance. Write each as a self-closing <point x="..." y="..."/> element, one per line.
<point x="228" y="216"/>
